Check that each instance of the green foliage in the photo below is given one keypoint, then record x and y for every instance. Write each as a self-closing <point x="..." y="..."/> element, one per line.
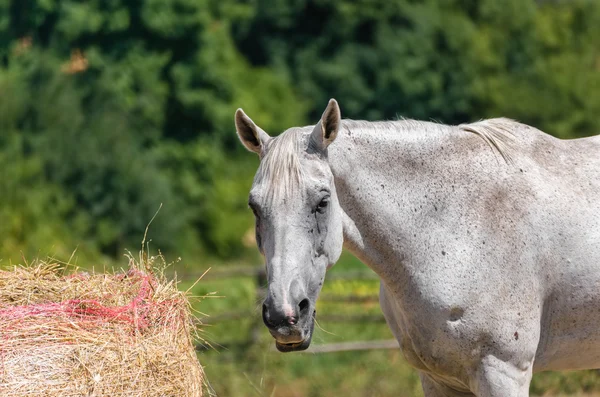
<point x="115" y="100"/>
<point x="124" y="105"/>
<point x="570" y="383"/>
<point x="219" y="213"/>
<point x="452" y="61"/>
<point x="85" y="147"/>
<point x="31" y="208"/>
<point x="552" y="62"/>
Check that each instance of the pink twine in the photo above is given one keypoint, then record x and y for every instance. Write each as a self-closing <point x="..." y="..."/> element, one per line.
<point x="135" y="313"/>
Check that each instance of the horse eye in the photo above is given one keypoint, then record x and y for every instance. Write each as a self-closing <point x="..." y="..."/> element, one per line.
<point x="258" y="241"/>
<point x="254" y="211"/>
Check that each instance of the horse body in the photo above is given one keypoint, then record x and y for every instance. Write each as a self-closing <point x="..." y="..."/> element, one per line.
<point x="477" y="256"/>
<point x="486" y="238"/>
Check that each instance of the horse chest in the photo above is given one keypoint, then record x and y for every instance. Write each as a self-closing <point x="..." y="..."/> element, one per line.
<point x="424" y="339"/>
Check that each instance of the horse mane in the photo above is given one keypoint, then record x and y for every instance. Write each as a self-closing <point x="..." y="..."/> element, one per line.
<point x="279" y="168"/>
<point x="496" y="133"/>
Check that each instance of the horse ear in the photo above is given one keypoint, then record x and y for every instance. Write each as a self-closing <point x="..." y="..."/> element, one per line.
<point x="327" y="128"/>
<point x="251" y="136"/>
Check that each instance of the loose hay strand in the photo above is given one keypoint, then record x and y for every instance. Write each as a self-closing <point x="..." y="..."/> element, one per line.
<point x="122" y="334"/>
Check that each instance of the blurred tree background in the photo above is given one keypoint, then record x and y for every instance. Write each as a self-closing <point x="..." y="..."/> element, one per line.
<point x="110" y="108"/>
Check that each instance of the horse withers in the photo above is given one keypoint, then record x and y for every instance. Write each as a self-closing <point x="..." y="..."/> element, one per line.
<point x="486" y="238"/>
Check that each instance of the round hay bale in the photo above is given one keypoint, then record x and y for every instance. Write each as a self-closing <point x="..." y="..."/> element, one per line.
<point x="129" y="334"/>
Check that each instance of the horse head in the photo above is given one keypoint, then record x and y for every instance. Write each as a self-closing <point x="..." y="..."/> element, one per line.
<point x="298" y="221"/>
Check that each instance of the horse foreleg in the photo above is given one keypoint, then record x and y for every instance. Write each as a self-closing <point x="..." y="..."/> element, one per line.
<point x="496" y="378"/>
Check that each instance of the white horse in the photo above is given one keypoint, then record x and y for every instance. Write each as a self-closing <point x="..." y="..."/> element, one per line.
<point x="486" y="238"/>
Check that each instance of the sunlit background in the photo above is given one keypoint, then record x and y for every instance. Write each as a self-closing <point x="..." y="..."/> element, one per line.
<point x="110" y="108"/>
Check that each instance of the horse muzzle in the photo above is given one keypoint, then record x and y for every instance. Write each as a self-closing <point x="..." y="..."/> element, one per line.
<point x="291" y="335"/>
<point x="297" y="340"/>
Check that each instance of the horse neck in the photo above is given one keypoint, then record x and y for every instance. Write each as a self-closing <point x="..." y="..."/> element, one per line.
<point x="377" y="175"/>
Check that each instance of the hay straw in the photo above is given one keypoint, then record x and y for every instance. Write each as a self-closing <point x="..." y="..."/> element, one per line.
<point x="128" y="334"/>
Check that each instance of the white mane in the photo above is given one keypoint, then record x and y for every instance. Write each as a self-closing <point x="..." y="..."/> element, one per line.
<point x="280" y="169"/>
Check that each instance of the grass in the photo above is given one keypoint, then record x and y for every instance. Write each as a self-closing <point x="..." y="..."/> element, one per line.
<point x="236" y="368"/>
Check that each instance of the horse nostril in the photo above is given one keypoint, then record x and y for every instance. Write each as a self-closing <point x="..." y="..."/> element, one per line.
<point x="264" y="314"/>
<point x="303" y="305"/>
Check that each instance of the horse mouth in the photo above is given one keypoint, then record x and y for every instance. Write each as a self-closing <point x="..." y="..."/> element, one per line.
<point x="297" y="346"/>
<point x="292" y="347"/>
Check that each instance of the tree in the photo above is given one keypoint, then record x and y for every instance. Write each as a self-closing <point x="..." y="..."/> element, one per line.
<point x="452" y="61"/>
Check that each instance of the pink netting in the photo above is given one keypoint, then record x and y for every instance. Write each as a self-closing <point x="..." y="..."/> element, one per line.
<point x="126" y="334"/>
<point x="139" y="312"/>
